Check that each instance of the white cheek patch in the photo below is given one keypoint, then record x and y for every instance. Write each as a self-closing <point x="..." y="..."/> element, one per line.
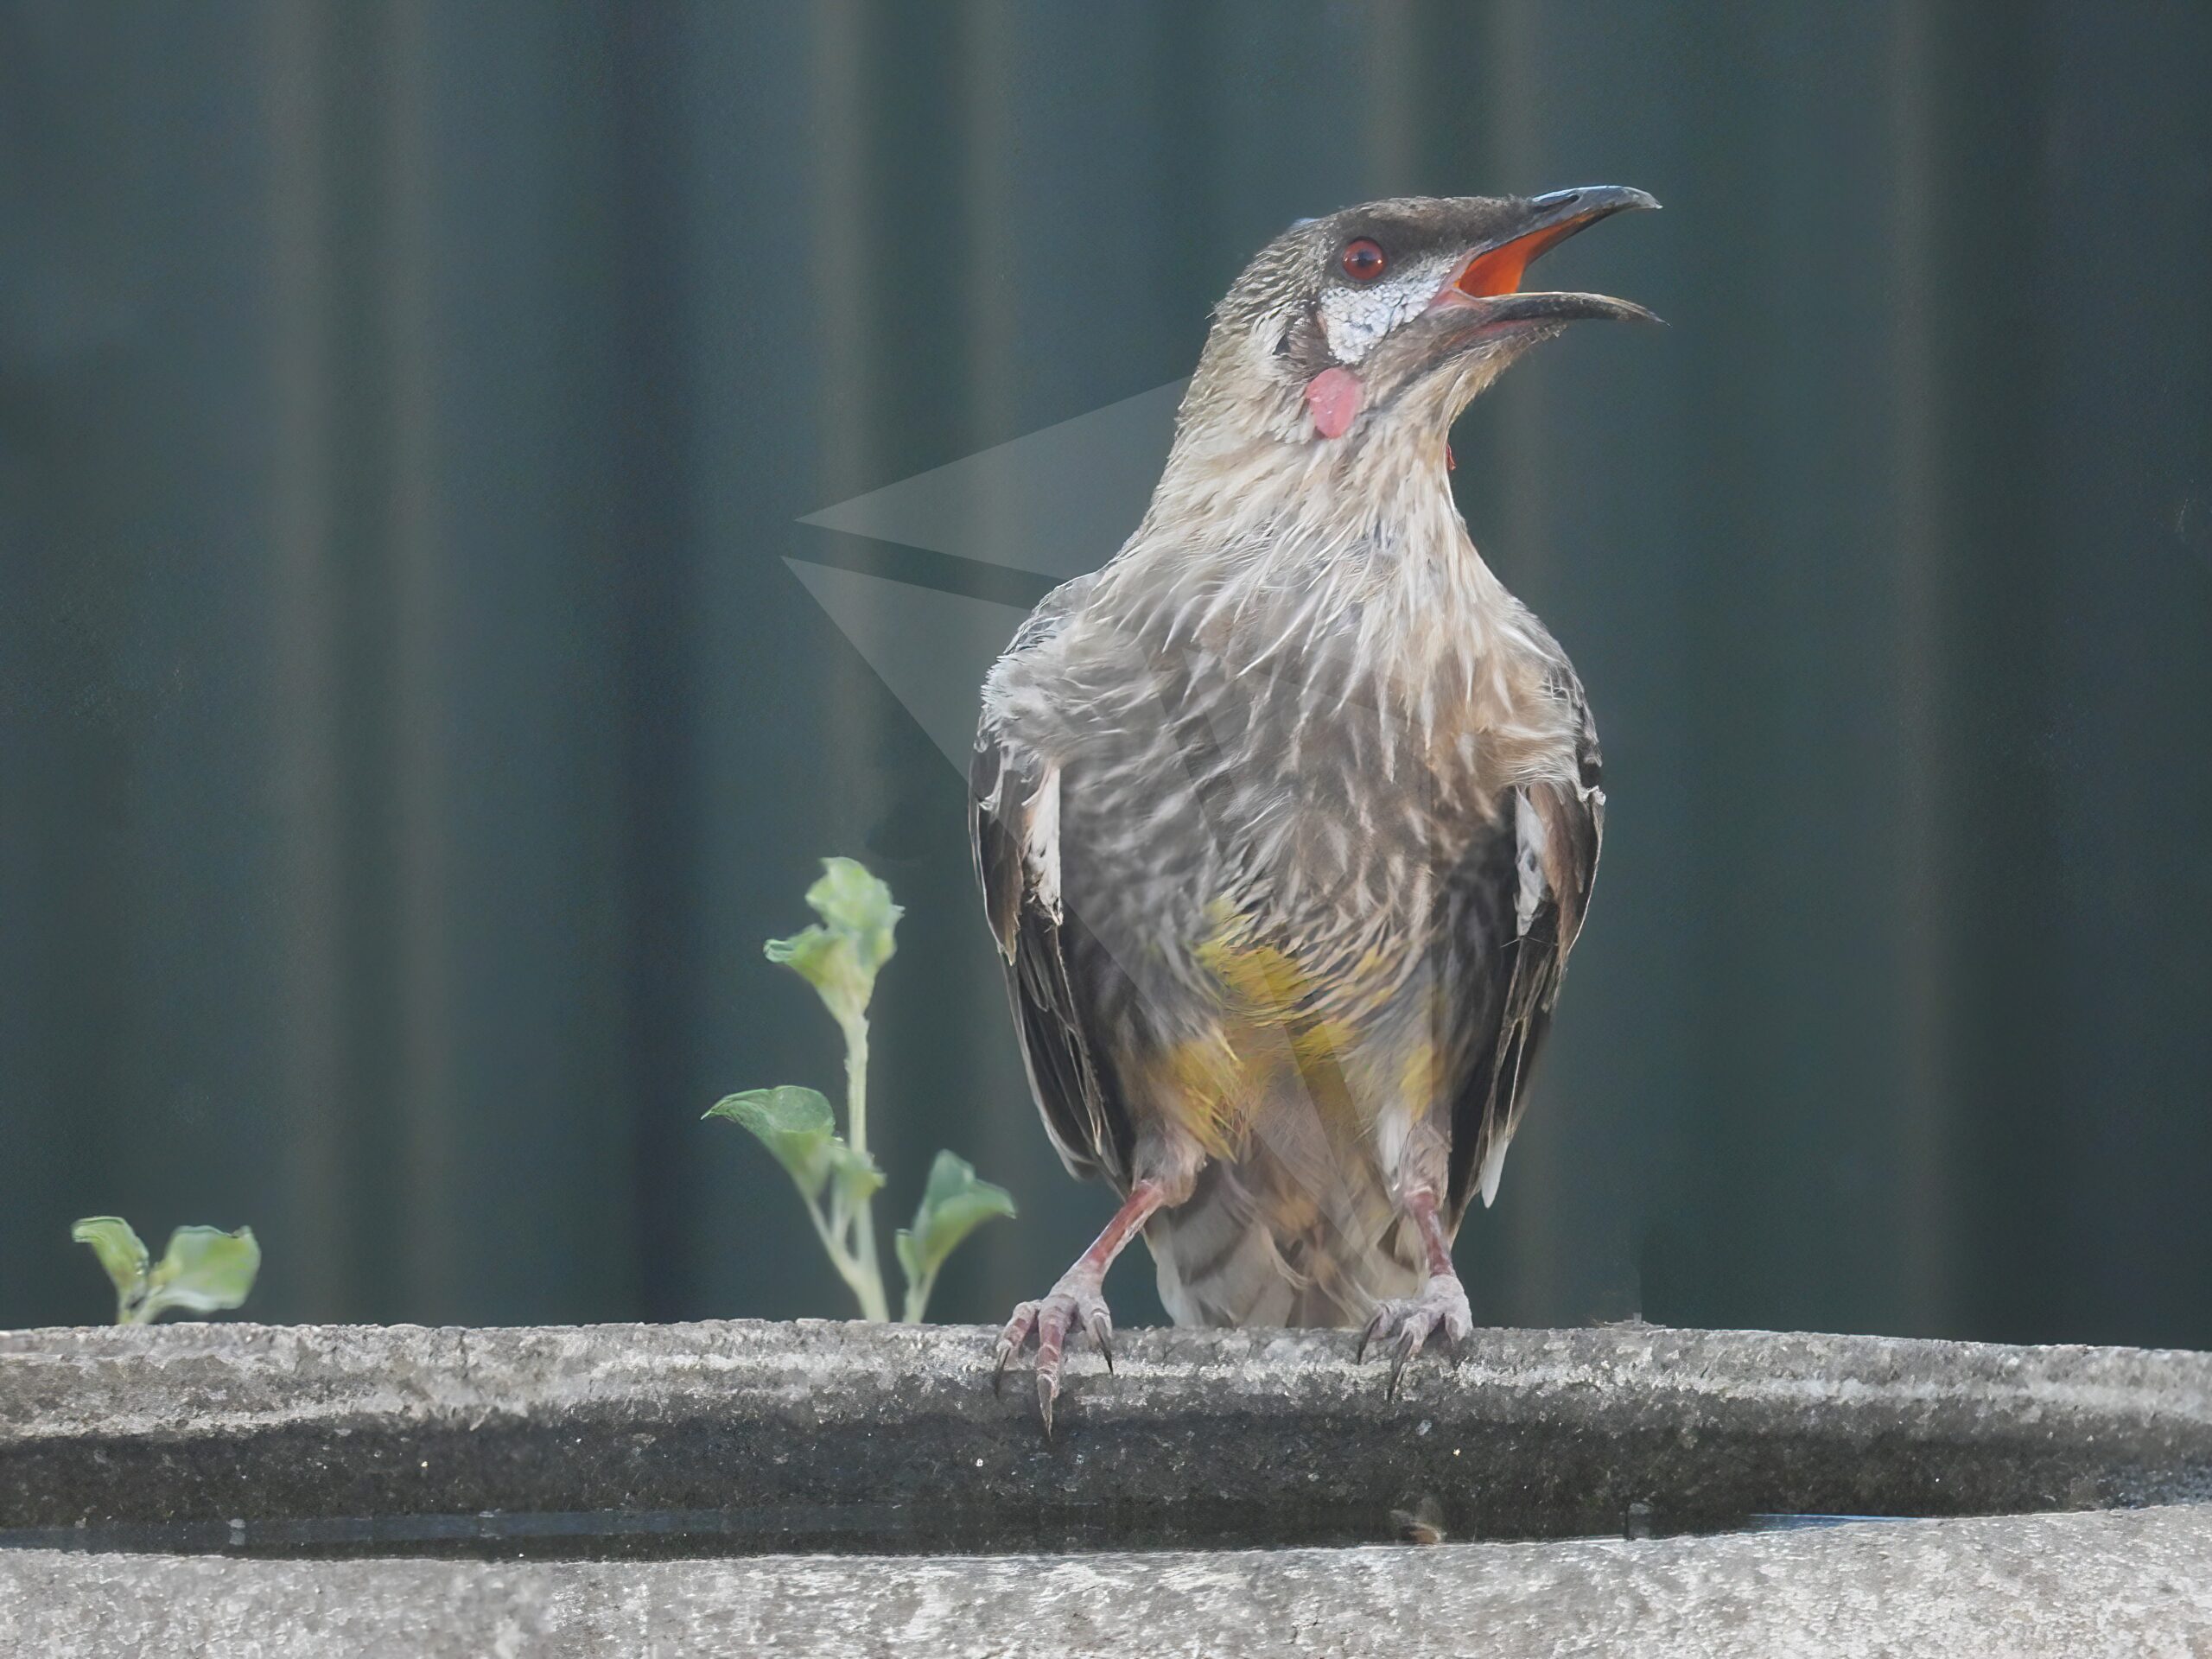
<point x="1353" y="319"/>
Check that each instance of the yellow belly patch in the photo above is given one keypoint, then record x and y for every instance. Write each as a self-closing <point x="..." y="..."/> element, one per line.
<point x="1272" y="1035"/>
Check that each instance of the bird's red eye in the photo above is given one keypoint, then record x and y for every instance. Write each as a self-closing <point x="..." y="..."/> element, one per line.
<point x="1363" y="259"/>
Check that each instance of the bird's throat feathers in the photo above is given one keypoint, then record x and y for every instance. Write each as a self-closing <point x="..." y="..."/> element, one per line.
<point x="1264" y="552"/>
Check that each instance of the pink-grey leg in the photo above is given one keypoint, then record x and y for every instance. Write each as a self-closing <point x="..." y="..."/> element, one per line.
<point x="1076" y="1302"/>
<point x="1406" y="1323"/>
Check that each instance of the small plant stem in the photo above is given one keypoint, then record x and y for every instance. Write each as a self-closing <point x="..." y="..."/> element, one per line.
<point x="868" y="1286"/>
<point x="841" y="1258"/>
<point x="918" y="1298"/>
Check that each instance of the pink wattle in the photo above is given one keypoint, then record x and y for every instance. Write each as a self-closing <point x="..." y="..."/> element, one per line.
<point x="1333" y="396"/>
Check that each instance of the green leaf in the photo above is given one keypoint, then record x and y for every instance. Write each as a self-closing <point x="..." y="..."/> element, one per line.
<point x="856" y="1177"/>
<point x="953" y="1205"/>
<point x="825" y="961"/>
<point x="839" y="954"/>
<point x="204" y="1270"/>
<point x="854" y="903"/>
<point x="796" y="1124"/>
<point x="120" y="1251"/>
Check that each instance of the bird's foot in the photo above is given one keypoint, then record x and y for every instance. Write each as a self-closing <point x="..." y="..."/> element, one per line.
<point x="1405" y="1323"/>
<point x="1076" y="1303"/>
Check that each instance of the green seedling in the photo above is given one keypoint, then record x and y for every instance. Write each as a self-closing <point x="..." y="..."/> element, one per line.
<point x="840" y="956"/>
<point x="204" y="1270"/>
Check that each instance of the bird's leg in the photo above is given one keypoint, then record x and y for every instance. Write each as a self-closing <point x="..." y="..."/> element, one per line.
<point x="1441" y="1305"/>
<point x="1078" y="1301"/>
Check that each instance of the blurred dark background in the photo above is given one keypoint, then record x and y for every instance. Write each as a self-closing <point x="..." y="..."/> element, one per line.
<point x="409" y="725"/>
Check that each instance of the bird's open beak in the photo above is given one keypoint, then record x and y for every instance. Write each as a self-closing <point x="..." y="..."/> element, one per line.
<point x="1491" y="280"/>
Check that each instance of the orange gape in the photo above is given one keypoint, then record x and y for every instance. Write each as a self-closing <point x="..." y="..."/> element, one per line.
<point x="1499" y="270"/>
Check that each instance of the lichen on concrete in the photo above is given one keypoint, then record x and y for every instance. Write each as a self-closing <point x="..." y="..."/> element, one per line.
<point x="822" y="1434"/>
<point x="2126" y="1586"/>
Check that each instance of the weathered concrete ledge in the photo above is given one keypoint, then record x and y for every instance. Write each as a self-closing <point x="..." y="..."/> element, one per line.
<point x="747" y="1437"/>
<point x="2132" y="1585"/>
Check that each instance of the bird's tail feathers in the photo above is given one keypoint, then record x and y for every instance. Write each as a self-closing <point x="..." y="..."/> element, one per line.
<point x="1244" y="1250"/>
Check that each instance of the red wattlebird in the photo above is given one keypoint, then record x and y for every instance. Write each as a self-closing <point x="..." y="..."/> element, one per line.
<point x="1287" y="819"/>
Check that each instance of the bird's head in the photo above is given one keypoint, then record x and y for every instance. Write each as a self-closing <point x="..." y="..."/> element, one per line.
<point x="1388" y="318"/>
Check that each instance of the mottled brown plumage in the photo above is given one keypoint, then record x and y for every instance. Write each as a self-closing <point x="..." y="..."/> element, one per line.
<point x="1287" y="819"/>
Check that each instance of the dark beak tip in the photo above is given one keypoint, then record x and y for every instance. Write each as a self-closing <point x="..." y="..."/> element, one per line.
<point x="1540" y="306"/>
<point x="1631" y="312"/>
<point x="1599" y="199"/>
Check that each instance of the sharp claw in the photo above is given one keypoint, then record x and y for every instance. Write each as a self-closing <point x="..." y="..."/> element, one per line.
<point x="1102" y="1332"/>
<point x="1012" y="1340"/>
<point x="1407" y="1350"/>
<point x="1375" y="1327"/>
<point x="1052" y="1321"/>
<point x="1406" y="1325"/>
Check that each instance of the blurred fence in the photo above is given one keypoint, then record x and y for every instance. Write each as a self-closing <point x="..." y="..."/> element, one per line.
<point x="410" y="724"/>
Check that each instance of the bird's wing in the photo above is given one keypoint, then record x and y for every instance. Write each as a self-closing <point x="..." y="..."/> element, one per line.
<point x="1014" y="829"/>
<point x="1529" y="888"/>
